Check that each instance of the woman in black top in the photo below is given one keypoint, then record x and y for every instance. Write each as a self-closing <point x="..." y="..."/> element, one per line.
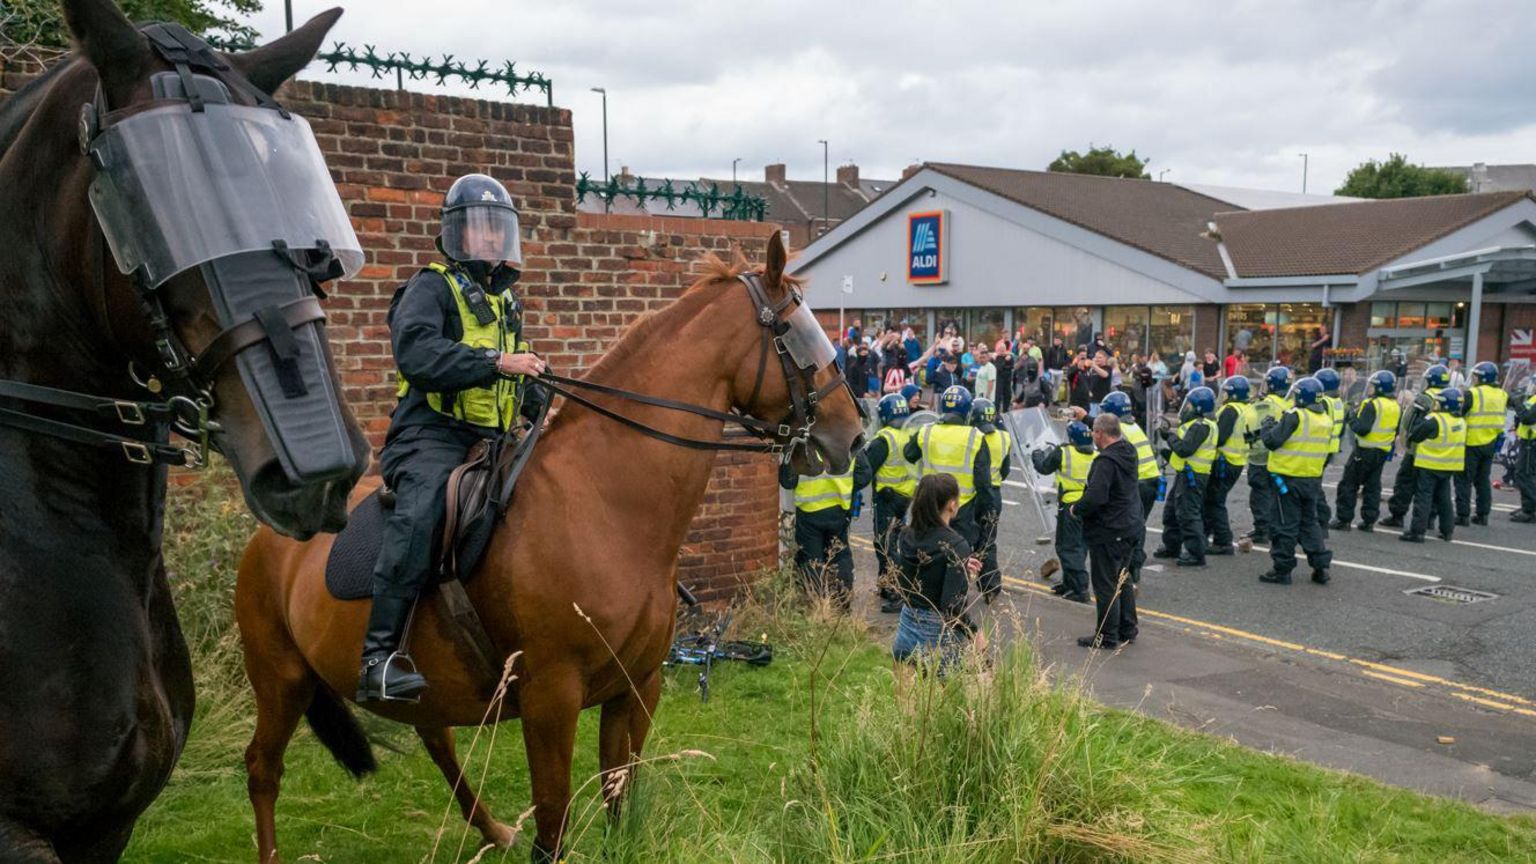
<point x="933" y="565"/>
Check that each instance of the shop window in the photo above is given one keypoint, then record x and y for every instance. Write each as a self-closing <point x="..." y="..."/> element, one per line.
<point x="1250" y="331"/>
<point x="1410" y="316"/>
<point x="1437" y="315"/>
<point x="984" y="326"/>
<point x="1383" y="314"/>
<point x="1171" y="332"/>
<point x="1125" y="330"/>
<point x="1035" y="323"/>
<point x="1297" y="326"/>
<point x="1076" y="325"/>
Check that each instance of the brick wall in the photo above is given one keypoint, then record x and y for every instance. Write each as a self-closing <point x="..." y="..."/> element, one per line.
<point x="393" y="154"/>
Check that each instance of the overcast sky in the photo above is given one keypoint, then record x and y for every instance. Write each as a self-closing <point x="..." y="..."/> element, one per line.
<point x="1215" y="91"/>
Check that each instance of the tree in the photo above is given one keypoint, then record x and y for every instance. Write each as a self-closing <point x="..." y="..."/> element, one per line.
<point x="1103" y="161"/>
<point x="41" y="22"/>
<point x="1398" y="178"/>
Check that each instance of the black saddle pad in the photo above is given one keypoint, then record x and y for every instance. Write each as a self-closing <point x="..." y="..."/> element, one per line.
<point x="349" y="569"/>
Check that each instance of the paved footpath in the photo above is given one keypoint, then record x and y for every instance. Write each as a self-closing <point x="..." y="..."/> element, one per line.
<point x="1357" y="675"/>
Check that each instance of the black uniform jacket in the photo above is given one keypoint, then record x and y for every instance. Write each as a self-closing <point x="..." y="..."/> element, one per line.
<point x="1110" y="508"/>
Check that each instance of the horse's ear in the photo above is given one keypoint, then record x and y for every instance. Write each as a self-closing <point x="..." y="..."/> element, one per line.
<point x="275" y="62"/>
<point x="110" y="42"/>
<point x="773" y="270"/>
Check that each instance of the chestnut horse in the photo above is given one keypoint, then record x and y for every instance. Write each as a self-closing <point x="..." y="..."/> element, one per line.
<point x="598" y="520"/>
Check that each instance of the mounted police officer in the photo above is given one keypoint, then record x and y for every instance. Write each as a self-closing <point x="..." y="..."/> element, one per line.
<point x="1233" y="421"/>
<point x="1070" y="463"/>
<point x="1329" y="378"/>
<point x="1192" y="456"/>
<point x="1000" y="448"/>
<point x="456" y="332"/>
<point x="1405" y="485"/>
<point x="1261" y="487"/>
<point x="1375" y="426"/>
<point x="1525" y="461"/>
<point x="895" y="483"/>
<point x="1486" y="406"/>
<point x="1299" y="441"/>
<point x="1147" y="471"/>
<point x="952" y="446"/>
<point x="1441" y="457"/>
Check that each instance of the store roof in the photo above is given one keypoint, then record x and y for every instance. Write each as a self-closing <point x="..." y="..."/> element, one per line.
<point x="1347" y="238"/>
<point x="1264" y="199"/>
<point x="1160" y="218"/>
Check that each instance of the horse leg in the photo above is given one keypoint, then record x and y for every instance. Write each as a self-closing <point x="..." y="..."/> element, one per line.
<point x="550" y="708"/>
<point x="24" y="846"/>
<point x="439" y="743"/>
<point x="284" y="686"/>
<point x="626" y="722"/>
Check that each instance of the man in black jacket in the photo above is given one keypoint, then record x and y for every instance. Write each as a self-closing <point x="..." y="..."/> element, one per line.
<point x="456" y="332"/>
<point x="1110" y="511"/>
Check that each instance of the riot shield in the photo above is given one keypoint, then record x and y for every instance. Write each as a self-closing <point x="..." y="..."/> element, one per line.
<point x="921" y="418"/>
<point x="1032" y="430"/>
<point x="871" y="417"/>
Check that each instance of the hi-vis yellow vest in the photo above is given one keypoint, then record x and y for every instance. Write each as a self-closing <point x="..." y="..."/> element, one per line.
<point x="1146" y="460"/>
<point x="1272" y="405"/>
<point x="1072" y="476"/>
<point x="998" y="443"/>
<point x="1205" y="456"/>
<point x="896" y="472"/>
<point x="1527" y="431"/>
<point x="1384" y="427"/>
<point x="1432" y="395"/>
<point x="493" y="407"/>
<point x="949" y="448"/>
<point x="1447" y="451"/>
<point x="1336" y="416"/>
<point x="1303" y="454"/>
<point x="1235" y="451"/>
<point x="825" y="491"/>
<point x="1485" y="414"/>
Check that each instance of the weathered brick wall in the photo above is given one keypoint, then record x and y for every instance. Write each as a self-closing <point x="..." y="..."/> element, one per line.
<point x="393" y="154"/>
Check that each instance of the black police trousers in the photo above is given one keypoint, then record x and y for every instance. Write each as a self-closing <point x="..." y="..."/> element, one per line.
<point x="1296" y="522"/>
<point x="1433" y="496"/>
<point x="1071" y="552"/>
<point x="1261" y="499"/>
<point x="1115" y="600"/>
<point x="1184" y="514"/>
<point x="1478" y="475"/>
<point x="890" y="511"/>
<point x="1148" y="491"/>
<point x="1213" y="509"/>
<point x="416" y="466"/>
<point x="1362" y="479"/>
<point x="990" y="580"/>
<point x="1324" y="512"/>
<point x="1525" y="475"/>
<point x="822" y="556"/>
<point x="1404" y="487"/>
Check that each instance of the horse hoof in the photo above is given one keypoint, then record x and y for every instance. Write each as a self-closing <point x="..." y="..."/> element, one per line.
<point x="499" y="835"/>
<point x="544" y="855"/>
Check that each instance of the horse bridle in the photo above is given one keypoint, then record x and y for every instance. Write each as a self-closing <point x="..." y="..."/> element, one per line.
<point x="782" y="438"/>
<point x="190" y="376"/>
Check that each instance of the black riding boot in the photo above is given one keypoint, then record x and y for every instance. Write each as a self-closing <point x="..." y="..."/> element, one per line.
<point x="387" y="675"/>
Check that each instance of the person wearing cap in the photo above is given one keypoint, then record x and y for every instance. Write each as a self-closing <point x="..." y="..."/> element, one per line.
<point x="1486" y="408"/>
<point x="1329" y="378"/>
<point x="953" y="446"/>
<point x="999" y="450"/>
<point x="1441" y="457"/>
<point x="1070" y="462"/>
<point x="1405" y="485"/>
<point x="456" y="331"/>
<point x="1525" y="460"/>
<point x="823" y="513"/>
<point x="895" y="483"/>
<point x="1148" y="472"/>
<point x="1299" y="443"/>
<point x="1375" y="426"/>
<point x="1261" y="487"/>
<point x="1191" y="453"/>
<point x="1233" y="421"/>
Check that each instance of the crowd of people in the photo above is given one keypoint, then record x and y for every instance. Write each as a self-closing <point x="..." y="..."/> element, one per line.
<point x="938" y="488"/>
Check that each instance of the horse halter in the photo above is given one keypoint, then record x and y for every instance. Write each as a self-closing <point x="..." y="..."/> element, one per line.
<point x="799" y="355"/>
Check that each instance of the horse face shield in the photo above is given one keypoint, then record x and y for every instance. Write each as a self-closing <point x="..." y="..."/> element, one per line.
<point x="243" y="195"/>
<point x="805" y="341"/>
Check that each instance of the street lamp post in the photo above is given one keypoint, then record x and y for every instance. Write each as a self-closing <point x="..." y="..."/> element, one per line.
<point x="825" y="193"/>
<point x="1304" y="160"/>
<point x="604" y="92"/>
<point x="733" y="168"/>
<point x="288" y="14"/>
<point x="1161" y="173"/>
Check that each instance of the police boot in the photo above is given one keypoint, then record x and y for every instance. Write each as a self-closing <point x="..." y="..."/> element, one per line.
<point x="1479" y="520"/>
<point x="1320" y="576"/>
<point x="1522" y="516"/>
<point x="1393" y="522"/>
<point x="1340" y="525"/>
<point x="1274" y="578"/>
<point x="388" y="675"/>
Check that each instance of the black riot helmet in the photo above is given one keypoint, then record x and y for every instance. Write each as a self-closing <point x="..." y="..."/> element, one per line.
<point x="480" y="223"/>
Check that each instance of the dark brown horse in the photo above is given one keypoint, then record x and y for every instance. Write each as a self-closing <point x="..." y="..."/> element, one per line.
<point x="95" y="681"/>
<point x="598" y="520"/>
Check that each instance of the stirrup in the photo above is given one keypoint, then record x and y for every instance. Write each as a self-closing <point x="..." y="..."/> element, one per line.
<point x="366" y="694"/>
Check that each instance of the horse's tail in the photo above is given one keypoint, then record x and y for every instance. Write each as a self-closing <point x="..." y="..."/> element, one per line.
<point x="338" y="730"/>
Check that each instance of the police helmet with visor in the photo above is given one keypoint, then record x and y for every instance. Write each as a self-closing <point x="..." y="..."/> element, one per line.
<point x="1118" y="404"/>
<point x="1277" y="379"/>
<point x="1236" y="389"/>
<point x="480" y="222"/>
<point x="1450" y="400"/>
<point x="1437" y="376"/>
<point x="1307" y="393"/>
<point x="893" y="410"/>
<point x="984" y="414"/>
<point x="1382" y="383"/>
<point x="1199" y="403"/>
<point x="1485" y="373"/>
<point x="1329" y="378"/>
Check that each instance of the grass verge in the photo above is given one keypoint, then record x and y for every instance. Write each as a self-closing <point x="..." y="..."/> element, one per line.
<point x="809" y="759"/>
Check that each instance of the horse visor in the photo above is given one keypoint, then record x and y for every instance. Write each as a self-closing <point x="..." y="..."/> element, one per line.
<point x="805" y="341"/>
<point x="176" y="188"/>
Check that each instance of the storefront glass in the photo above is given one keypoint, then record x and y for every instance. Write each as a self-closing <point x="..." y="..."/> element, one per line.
<point x="1125" y="330"/>
<point x="985" y="326"/>
<point x="1171" y="332"/>
<point x="1410" y="336"/>
<point x="1076" y="325"/>
<point x="1033" y="322"/>
<point x="1250" y="331"/>
<point x="1297" y="326"/>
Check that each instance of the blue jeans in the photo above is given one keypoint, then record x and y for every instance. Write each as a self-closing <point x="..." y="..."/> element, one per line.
<point x="922" y="633"/>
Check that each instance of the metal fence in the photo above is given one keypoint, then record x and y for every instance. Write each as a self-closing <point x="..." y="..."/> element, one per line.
<point x="738" y="204"/>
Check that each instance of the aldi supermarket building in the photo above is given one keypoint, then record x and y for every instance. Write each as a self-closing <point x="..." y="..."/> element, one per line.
<point x="1170" y="268"/>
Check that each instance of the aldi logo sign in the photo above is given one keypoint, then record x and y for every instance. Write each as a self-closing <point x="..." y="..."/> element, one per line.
<point x="927" y="247"/>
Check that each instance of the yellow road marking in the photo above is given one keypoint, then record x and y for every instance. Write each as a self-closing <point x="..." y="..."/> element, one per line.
<point x="1403" y="681"/>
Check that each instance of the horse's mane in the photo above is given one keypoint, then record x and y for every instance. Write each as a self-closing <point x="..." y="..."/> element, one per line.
<point x="18" y="109"/>
<point x="715" y="271"/>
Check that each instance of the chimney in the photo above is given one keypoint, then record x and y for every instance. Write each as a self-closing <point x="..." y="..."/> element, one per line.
<point x="625" y="178"/>
<point x="1479" y="177"/>
<point x="848" y="175"/>
<point x="911" y="169"/>
<point x="774" y="173"/>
